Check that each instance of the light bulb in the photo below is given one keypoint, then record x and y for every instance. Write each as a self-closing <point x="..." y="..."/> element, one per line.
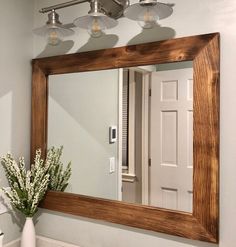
<point x="54" y="36"/>
<point x="96" y="27"/>
<point x="148" y="17"/>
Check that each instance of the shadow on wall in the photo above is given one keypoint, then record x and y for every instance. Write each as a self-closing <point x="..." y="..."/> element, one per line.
<point x="69" y="105"/>
<point x="15" y="218"/>
<point x="60" y="49"/>
<point x="105" y="41"/>
<point x="110" y="40"/>
<point x="157" y="33"/>
<point x="18" y="218"/>
<point x="13" y="99"/>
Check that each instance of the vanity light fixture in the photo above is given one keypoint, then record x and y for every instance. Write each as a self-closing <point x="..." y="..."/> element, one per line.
<point x="103" y="15"/>
<point x="148" y="12"/>
<point x="96" y="21"/>
<point x="53" y="30"/>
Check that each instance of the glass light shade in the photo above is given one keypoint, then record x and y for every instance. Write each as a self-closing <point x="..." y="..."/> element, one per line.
<point x="147" y="14"/>
<point x="148" y="17"/>
<point x="54" y="33"/>
<point x="95" y="23"/>
<point x="54" y="36"/>
<point x="96" y="27"/>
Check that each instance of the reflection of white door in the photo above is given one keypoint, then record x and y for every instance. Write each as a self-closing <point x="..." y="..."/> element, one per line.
<point x="171" y="141"/>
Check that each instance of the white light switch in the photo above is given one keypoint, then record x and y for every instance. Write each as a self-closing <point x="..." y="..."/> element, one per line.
<point x="112" y="164"/>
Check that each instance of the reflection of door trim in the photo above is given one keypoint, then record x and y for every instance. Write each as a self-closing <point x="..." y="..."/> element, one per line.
<point x="131" y="125"/>
<point x="145" y="138"/>
<point x="131" y="178"/>
<point x="129" y="171"/>
<point x="119" y="146"/>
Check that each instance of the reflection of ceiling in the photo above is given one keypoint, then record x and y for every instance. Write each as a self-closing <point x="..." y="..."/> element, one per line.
<point x="165" y="66"/>
<point x="174" y="66"/>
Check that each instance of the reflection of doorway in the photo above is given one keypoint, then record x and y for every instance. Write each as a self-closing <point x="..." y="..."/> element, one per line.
<point x="158" y="110"/>
<point x="171" y="139"/>
<point x="135" y="163"/>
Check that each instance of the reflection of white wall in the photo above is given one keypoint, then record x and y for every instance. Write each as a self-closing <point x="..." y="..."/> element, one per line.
<point x="189" y="18"/>
<point x="82" y="106"/>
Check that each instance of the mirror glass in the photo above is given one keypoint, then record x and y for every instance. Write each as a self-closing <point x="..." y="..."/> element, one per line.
<point x="128" y="133"/>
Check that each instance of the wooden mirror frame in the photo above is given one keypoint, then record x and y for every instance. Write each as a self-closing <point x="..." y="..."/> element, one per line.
<point x="203" y="50"/>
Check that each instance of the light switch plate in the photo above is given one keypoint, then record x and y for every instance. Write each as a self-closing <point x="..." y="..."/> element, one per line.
<point x="112" y="164"/>
<point x="113" y="134"/>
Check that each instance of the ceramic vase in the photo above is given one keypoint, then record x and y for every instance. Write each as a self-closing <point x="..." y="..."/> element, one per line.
<point x="28" y="238"/>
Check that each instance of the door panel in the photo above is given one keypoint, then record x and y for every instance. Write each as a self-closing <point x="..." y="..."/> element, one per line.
<point x="171" y="139"/>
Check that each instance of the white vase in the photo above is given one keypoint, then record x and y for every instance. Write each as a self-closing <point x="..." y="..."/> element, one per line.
<point x="28" y="238"/>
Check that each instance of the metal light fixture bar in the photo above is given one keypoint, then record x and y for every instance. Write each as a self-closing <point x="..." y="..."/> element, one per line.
<point x="119" y="3"/>
<point x="62" y="5"/>
<point x="103" y="15"/>
<point x="71" y="3"/>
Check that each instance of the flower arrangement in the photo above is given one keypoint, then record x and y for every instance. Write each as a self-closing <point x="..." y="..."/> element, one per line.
<point x="27" y="188"/>
<point x="58" y="178"/>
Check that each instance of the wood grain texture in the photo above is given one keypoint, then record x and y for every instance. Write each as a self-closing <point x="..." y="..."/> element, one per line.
<point x="174" y="50"/>
<point x="204" y="51"/>
<point x="149" y="218"/>
<point x="206" y="136"/>
<point x="39" y="110"/>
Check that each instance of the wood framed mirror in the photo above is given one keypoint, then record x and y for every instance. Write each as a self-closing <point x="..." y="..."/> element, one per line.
<point x="202" y="224"/>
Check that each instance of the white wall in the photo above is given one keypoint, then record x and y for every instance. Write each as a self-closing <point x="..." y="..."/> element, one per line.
<point x="16" y="51"/>
<point x="189" y="18"/>
<point x="82" y="107"/>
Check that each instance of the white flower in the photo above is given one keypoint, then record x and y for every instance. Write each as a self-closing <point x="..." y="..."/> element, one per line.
<point x="29" y="187"/>
<point x="58" y="178"/>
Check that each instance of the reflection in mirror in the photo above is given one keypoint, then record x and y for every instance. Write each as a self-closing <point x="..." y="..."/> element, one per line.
<point x="151" y="162"/>
<point x="158" y="135"/>
<point x="82" y="107"/>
